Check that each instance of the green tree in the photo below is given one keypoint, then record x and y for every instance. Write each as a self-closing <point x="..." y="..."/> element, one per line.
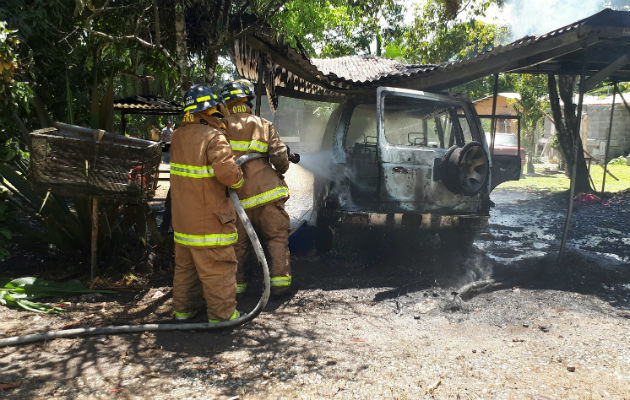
<point x="439" y="33"/>
<point x="533" y="92"/>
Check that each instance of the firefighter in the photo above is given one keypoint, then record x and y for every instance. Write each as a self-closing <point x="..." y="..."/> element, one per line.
<point x="202" y="167"/>
<point x="264" y="193"/>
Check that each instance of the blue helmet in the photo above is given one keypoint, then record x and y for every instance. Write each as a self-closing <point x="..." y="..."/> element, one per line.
<point x="200" y="98"/>
<point x="239" y="89"/>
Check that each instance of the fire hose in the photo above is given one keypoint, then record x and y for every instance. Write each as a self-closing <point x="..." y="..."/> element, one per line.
<point x="118" y="329"/>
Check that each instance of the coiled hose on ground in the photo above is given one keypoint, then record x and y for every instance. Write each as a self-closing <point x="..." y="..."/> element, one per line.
<point x="117" y="329"/>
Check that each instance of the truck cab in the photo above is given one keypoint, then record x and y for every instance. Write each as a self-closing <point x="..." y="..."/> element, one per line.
<point x="406" y="157"/>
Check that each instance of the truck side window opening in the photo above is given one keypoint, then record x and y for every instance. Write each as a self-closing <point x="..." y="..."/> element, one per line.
<point x="362" y="128"/>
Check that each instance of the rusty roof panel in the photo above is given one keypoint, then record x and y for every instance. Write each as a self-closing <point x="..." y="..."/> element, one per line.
<point x="147" y="104"/>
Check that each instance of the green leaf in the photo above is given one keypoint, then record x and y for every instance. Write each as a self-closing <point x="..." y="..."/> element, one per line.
<point x="4" y="231"/>
<point x="31" y="288"/>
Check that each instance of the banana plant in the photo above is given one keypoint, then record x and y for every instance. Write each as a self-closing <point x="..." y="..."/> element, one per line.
<point x="19" y="293"/>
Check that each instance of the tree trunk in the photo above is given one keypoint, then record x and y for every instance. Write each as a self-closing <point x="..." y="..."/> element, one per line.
<point x="210" y="66"/>
<point x="21" y="126"/>
<point x="181" y="48"/>
<point x="40" y="110"/>
<point x="156" y="23"/>
<point x="531" y="151"/>
<point x="94" y="97"/>
<point x="566" y="125"/>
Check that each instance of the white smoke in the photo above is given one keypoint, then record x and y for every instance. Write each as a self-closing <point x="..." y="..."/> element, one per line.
<point x="537" y="17"/>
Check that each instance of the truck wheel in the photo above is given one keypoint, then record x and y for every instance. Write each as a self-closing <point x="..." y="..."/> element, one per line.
<point x="465" y="169"/>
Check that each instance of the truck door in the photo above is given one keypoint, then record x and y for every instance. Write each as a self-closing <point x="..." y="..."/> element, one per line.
<point x="416" y="129"/>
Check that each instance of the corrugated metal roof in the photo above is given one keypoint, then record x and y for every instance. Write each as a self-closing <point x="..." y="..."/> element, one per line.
<point x="595" y="41"/>
<point x="365" y="68"/>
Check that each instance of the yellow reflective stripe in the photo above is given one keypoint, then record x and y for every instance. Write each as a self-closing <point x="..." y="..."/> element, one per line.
<point x="192" y="171"/>
<point x="235" y="315"/>
<point x="216" y="239"/>
<point x="241" y="288"/>
<point x="184" y="314"/>
<point x="235" y="91"/>
<point x="190" y="108"/>
<point x="238" y="184"/>
<point x="254" y="145"/>
<point x="281" y="281"/>
<point x="265" y="197"/>
<point x="258" y="146"/>
<point x="239" y="145"/>
<point x="206" y="98"/>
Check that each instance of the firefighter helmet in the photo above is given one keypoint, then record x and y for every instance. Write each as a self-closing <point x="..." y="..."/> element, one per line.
<point x="200" y="98"/>
<point x="239" y="89"/>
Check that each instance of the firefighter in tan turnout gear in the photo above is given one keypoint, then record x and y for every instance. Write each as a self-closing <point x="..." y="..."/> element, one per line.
<point x="264" y="192"/>
<point x="202" y="167"/>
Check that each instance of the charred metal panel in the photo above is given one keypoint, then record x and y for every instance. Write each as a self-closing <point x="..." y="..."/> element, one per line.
<point x="505" y="168"/>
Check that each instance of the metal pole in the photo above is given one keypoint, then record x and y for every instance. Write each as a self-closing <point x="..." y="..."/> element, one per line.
<point x="493" y="125"/>
<point x="518" y="149"/>
<point x="94" y="239"/>
<point x="565" y="232"/>
<point x="612" y="112"/>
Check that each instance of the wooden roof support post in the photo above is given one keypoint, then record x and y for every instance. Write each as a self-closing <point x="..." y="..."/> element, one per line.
<point x="610" y="124"/>
<point x="493" y="125"/>
<point x="567" y="222"/>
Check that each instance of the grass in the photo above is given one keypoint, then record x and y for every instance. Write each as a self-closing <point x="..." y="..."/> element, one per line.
<point x="557" y="182"/>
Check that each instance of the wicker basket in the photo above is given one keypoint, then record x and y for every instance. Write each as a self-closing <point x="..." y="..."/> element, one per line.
<point x="72" y="160"/>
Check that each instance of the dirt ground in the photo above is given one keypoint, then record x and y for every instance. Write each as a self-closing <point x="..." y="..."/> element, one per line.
<point x="383" y="316"/>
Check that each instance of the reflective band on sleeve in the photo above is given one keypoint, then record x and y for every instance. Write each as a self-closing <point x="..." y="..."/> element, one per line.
<point x="238" y="184"/>
<point x="217" y="239"/>
<point x="265" y="197"/>
<point x="254" y="145"/>
<point x="190" y="108"/>
<point x="235" y="91"/>
<point x="239" y="145"/>
<point x="192" y="171"/>
<point x="258" y="146"/>
<point x="281" y="281"/>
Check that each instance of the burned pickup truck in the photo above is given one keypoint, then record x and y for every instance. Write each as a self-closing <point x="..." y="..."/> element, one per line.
<point x="414" y="159"/>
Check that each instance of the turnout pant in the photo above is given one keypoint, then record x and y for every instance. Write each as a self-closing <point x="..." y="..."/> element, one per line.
<point x="271" y="223"/>
<point x="208" y="273"/>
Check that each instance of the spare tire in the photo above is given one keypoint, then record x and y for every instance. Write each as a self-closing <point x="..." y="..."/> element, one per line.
<point x="465" y="169"/>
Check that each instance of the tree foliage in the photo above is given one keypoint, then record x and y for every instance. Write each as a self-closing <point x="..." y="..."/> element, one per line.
<point x="334" y="28"/>
<point x="440" y="34"/>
